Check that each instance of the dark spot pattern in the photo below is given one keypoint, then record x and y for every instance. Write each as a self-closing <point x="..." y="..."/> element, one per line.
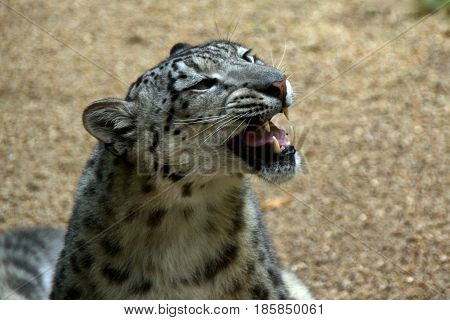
<point x="275" y="277"/>
<point x="218" y="263"/>
<point x="155" y="218"/>
<point x="170" y="115"/>
<point x="165" y="170"/>
<point x="186" y="190"/>
<point x="91" y="222"/>
<point x="35" y="240"/>
<point x="99" y="173"/>
<point x="110" y="245"/>
<point x="188" y="211"/>
<point x="117" y="161"/>
<point x="90" y="163"/>
<point x="141" y="287"/>
<point x="210" y="227"/>
<point x="148" y="187"/>
<point x="250" y="268"/>
<point x="255" y="238"/>
<point x="174" y="97"/>
<point x="123" y="131"/>
<point x="259" y="292"/>
<point x="138" y="81"/>
<point x="74" y="263"/>
<point x="155" y="141"/>
<point x="21" y="284"/>
<point x="115" y="275"/>
<point x="282" y="296"/>
<point x="110" y="180"/>
<point x="86" y="261"/>
<point x="236" y="286"/>
<point x="176" y="176"/>
<point x="72" y="294"/>
<point x="261" y="256"/>
<point x="155" y="165"/>
<point x="80" y="245"/>
<point x="90" y="190"/>
<point x="237" y="223"/>
<point x="235" y="197"/>
<point x="24" y="265"/>
<point x="170" y="82"/>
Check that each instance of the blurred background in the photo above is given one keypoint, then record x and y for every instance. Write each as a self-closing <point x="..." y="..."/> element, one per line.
<point x="367" y="219"/>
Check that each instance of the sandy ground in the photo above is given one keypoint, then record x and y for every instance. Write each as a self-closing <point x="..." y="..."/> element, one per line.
<point x="367" y="219"/>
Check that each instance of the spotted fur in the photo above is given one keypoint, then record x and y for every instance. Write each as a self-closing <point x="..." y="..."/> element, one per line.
<point x="27" y="262"/>
<point x="161" y="213"/>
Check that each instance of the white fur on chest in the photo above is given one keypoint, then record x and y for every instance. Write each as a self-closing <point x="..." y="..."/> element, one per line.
<point x="181" y="245"/>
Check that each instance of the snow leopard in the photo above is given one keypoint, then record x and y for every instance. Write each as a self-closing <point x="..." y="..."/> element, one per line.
<point x="164" y="208"/>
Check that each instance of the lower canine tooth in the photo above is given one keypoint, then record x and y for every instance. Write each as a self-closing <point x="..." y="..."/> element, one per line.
<point x="276" y="145"/>
<point x="267" y="126"/>
<point x="286" y="112"/>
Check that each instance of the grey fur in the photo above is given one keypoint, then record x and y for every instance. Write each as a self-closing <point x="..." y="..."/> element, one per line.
<point x="27" y="262"/>
<point x="149" y="223"/>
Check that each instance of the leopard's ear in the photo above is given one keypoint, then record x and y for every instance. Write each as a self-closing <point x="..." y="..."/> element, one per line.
<point x="179" y="47"/>
<point x="112" y="121"/>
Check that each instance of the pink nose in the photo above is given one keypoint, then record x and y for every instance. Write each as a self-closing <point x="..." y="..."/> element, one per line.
<point x="280" y="88"/>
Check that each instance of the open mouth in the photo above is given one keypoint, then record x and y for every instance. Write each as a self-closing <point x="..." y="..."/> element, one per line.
<point x="263" y="145"/>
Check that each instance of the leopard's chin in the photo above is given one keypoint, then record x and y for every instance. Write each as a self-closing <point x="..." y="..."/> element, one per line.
<point x="267" y="151"/>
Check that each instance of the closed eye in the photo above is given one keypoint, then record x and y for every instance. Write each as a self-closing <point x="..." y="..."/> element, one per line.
<point x="205" y="84"/>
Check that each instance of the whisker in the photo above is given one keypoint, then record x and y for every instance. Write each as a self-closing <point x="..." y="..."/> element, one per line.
<point x="282" y="57"/>
<point x="217" y="28"/>
<point x="222" y="126"/>
<point x="290" y="75"/>
<point x="271" y="57"/>
<point x="200" y="120"/>
<point x="210" y="126"/>
<point x="235" y="27"/>
<point x="231" y="134"/>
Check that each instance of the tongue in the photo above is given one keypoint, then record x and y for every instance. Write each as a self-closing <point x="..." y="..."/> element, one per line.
<point x="259" y="136"/>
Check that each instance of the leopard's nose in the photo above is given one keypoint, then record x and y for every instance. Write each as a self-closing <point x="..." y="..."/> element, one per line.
<point x="277" y="89"/>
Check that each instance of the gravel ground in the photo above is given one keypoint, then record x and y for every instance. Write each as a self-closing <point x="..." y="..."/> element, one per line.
<point x="368" y="217"/>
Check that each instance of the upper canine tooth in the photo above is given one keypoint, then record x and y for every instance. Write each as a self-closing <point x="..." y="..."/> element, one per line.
<point x="286" y="112"/>
<point x="267" y="126"/>
<point x="276" y="145"/>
